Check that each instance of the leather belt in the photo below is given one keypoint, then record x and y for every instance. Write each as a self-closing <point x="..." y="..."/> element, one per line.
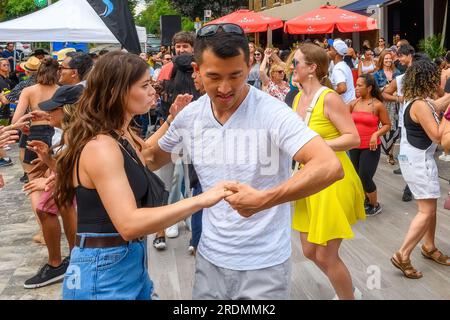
<point x="104" y="242"/>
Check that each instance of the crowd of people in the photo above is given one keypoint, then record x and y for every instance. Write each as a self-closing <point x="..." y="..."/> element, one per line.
<point x="122" y="146"/>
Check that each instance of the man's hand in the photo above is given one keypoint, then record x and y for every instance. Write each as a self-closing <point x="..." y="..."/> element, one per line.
<point x="181" y="101"/>
<point x="246" y="200"/>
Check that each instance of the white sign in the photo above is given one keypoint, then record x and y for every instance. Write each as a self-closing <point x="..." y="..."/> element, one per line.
<point x="208" y="14"/>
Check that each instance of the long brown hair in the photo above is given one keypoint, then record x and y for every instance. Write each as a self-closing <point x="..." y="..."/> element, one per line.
<point x="380" y="64"/>
<point x="318" y="56"/>
<point x="47" y="73"/>
<point x="101" y="109"/>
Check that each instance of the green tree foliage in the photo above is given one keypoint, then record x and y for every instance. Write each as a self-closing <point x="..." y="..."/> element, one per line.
<point x="149" y="18"/>
<point x="195" y="8"/>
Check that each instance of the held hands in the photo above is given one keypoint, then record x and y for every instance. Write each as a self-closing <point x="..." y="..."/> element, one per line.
<point x="181" y="101"/>
<point x="214" y="195"/>
<point x="244" y="199"/>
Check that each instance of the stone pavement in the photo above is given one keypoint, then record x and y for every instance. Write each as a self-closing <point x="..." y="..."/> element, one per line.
<point x="20" y="257"/>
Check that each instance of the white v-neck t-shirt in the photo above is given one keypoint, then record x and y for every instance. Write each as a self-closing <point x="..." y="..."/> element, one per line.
<point x="255" y="146"/>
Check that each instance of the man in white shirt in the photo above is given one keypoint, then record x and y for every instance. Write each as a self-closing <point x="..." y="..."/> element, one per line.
<point x="239" y="133"/>
<point x="341" y="76"/>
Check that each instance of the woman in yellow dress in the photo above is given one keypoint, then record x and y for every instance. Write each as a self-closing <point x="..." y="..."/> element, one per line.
<point x="325" y="218"/>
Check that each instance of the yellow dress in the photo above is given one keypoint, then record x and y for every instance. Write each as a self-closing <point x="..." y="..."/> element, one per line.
<point x="329" y="214"/>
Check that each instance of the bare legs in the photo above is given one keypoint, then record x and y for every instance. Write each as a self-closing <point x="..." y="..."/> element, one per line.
<point x="328" y="260"/>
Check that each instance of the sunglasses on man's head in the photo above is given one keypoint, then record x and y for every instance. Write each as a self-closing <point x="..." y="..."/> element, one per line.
<point x="212" y="29"/>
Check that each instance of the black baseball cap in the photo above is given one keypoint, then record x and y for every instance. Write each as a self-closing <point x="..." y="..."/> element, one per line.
<point x="63" y="95"/>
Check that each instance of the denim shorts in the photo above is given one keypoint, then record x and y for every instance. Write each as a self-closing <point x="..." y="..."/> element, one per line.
<point x="117" y="273"/>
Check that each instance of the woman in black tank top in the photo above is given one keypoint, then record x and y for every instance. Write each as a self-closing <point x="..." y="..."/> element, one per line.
<point x="422" y="132"/>
<point x="112" y="184"/>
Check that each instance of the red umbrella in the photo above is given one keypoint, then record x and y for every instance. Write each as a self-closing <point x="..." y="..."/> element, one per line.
<point x="326" y="18"/>
<point x="250" y="21"/>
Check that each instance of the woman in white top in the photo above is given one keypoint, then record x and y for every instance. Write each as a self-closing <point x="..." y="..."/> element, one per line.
<point x="368" y="64"/>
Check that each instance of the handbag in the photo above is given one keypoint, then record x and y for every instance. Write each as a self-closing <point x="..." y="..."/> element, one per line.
<point x="156" y="195"/>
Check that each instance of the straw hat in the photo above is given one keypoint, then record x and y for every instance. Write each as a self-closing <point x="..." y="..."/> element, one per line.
<point x="61" y="54"/>
<point x="32" y="64"/>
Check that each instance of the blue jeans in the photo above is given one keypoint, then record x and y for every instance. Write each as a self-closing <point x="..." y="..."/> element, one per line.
<point x="196" y="220"/>
<point x="117" y="273"/>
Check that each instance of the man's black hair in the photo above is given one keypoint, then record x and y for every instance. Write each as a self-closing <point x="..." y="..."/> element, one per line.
<point x="80" y="61"/>
<point x="223" y="44"/>
<point x="406" y="50"/>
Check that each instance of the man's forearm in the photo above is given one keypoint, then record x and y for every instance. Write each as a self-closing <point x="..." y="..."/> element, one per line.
<point x="315" y="176"/>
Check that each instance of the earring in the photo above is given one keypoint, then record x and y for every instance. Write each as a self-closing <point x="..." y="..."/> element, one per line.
<point x="310" y="76"/>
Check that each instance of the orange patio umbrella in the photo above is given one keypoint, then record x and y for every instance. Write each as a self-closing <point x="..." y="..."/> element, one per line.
<point x="326" y="18"/>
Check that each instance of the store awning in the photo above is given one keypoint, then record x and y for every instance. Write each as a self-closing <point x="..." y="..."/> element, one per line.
<point x="288" y="11"/>
<point x="364" y="4"/>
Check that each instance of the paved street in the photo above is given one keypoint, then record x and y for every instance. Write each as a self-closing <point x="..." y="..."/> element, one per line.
<point x="172" y="270"/>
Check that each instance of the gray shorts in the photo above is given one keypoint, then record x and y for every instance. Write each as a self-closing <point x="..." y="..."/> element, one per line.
<point x="215" y="283"/>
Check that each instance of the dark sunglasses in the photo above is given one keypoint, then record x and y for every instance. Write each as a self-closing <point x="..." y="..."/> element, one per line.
<point x="168" y="59"/>
<point x="257" y="54"/>
<point x="212" y="29"/>
<point x="279" y="71"/>
<point x="65" y="68"/>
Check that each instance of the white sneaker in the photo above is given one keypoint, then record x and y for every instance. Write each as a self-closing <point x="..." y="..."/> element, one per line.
<point x="356" y="292"/>
<point x="444" y="157"/>
<point x="172" y="232"/>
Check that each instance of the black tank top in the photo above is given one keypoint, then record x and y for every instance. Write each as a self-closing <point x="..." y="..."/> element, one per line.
<point x="416" y="135"/>
<point x="92" y="215"/>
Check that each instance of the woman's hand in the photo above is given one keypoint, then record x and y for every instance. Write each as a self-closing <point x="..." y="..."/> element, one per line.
<point x="181" y="101"/>
<point x="7" y="136"/>
<point x="35" y="185"/>
<point x="268" y="52"/>
<point x="217" y="193"/>
<point x="373" y="142"/>
<point x="40" y="115"/>
<point x="50" y="182"/>
<point x="42" y="150"/>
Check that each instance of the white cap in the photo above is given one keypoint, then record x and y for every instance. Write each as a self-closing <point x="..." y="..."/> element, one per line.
<point x="340" y="47"/>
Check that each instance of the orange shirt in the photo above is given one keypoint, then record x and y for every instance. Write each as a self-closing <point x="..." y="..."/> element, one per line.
<point x="165" y="72"/>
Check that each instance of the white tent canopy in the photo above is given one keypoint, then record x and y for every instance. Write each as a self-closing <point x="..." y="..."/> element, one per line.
<point x="63" y="21"/>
